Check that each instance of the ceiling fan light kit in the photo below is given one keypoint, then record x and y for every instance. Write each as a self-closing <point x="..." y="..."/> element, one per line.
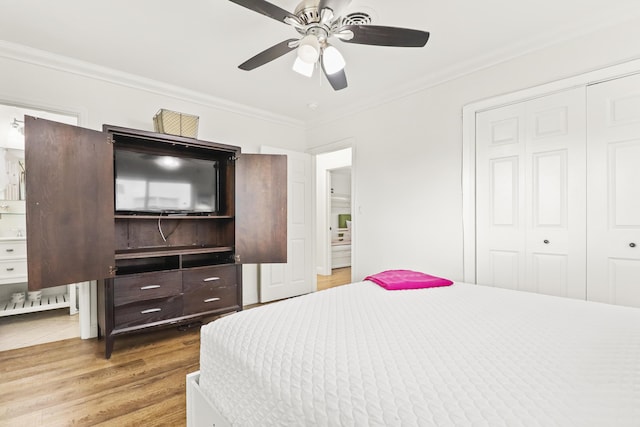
<point x="317" y="21"/>
<point x="332" y="59"/>
<point x="309" y="49"/>
<point x="304" y="68"/>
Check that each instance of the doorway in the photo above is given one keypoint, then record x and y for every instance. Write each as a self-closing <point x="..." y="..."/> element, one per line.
<point x="26" y="318"/>
<point x="335" y="222"/>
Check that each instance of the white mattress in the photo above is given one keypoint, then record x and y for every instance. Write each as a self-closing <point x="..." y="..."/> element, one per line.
<point x="463" y="355"/>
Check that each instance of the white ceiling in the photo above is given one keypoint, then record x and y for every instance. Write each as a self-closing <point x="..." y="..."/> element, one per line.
<point x="198" y="44"/>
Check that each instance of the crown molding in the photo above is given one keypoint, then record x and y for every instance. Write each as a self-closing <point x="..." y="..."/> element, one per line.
<point x="62" y="63"/>
<point x="461" y="69"/>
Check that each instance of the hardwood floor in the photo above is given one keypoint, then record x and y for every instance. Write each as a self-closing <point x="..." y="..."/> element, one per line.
<point x="339" y="276"/>
<point x="25" y="330"/>
<point x="70" y="382"/>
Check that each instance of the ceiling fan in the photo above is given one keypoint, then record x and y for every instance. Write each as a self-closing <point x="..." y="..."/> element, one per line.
<point x="317" y="21"/>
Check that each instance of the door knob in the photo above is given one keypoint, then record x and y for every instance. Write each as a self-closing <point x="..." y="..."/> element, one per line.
<point x="632" y="245"/>
<point x="546" y="242"/>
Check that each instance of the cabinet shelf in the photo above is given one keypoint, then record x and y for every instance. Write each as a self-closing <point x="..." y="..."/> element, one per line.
<point x="161" y="252"/>
<point x="48" y="302"/>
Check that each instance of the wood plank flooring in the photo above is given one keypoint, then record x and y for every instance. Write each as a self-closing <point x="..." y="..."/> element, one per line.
<point x="25" y="330"/>
<point x="70" y="382"/>
<point x="339" y="276"/>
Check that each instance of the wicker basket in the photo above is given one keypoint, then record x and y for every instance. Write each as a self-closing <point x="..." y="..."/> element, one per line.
<point x="174" y="123"/>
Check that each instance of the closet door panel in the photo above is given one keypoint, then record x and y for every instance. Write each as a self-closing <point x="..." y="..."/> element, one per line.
<point x="548" y="244"/>
<point x="504" y="269"/>
<point x="530" y="195"/>
<point x="550" y="274"/>
<point x="624" y="179"/>
<point x="550" y="189"/>
<point x="500" y="202"/>
<point x="549" y="122"/>
<point x="623" y="274"/>
<point x="614" y="191"/>
<point x="555" y="194"/>
<point x="504" y="193"/>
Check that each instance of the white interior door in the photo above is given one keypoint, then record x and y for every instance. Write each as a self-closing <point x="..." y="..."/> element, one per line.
<point x="614" y="191"/>
<point x="530" y="185"/>
<point x="556" y="194"/>
<point x="500" y="218"/>
<point x="296" y="277"/>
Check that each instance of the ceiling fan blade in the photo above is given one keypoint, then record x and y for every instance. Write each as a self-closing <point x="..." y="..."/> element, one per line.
<point x="337" y="80"/>
<point x="269" y="55"/>
<point x="385" y="36"/>
<point x="337" y="6"/>
<point x="266" y="8"/>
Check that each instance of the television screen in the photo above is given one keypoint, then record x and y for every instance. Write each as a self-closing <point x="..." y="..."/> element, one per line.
<point x="158" y="183"/>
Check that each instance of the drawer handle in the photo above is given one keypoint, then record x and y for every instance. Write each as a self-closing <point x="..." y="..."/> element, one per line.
<point x="146" y="288"/>
<point x="151" y="310"/>
<point x="9" y="250"/>
<point x="210" y="279"/>
<point x="10" y="269"/>
<point x="212" y="299"/>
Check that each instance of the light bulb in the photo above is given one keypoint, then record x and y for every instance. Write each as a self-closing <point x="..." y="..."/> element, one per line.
<point x="332" y="60"/>
<point x="309" y="49"/>
<point x="304" y="68"/>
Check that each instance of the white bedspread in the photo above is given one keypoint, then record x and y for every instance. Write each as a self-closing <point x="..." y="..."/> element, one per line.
<point x="463" y="355"/>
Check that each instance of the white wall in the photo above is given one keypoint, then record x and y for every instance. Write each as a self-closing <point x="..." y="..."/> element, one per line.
<point x="409" y="153"/>
<point x="99" y="101"/>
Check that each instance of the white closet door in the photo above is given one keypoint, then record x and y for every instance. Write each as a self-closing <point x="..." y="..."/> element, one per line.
<point x="531" y="195"/>
<point x="614" y="191"/>
<point x="500" y="219"/>
<point x="556" y="195"/>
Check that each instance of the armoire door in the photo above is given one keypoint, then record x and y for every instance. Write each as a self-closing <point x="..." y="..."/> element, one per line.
<point x="261" y="208"/>
<point x="530" y="195"/>
<point x="69" y="204"/>
<point x="613" y="267"/>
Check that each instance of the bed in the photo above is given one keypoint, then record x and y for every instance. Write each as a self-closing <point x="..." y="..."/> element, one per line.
<point x="461" y="355"/>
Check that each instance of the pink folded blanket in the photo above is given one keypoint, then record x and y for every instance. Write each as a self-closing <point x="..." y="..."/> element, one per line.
<point x="407" y="279"/>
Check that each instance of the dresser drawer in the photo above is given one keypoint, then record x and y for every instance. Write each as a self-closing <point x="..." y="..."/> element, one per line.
<point x="13" y="268"/>
<point x="13" y="248"/>
<point x="208" y="289"/>
<point x="146" y="286"/>
<point x="144" y="312"/>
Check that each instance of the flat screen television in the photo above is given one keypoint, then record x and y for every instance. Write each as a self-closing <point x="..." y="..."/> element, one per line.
<point x="157" y="184"/>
